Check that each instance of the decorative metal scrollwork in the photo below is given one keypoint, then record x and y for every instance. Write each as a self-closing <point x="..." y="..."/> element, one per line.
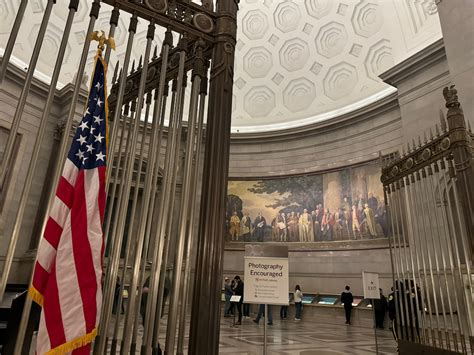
<point x="157" y="5"/>
<point x="203" y="22"/>
<point x="445" y="143"/>
<point x="426" y="154"/>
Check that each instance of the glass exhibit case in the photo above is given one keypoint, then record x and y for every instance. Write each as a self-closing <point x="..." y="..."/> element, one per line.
<point x="328" y="299"/>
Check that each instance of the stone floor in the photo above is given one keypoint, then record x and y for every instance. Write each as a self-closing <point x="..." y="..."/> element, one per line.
<point x="304" y="337"/>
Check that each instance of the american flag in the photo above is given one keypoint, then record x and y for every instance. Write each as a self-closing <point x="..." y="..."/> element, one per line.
<point x="68" y="269"/>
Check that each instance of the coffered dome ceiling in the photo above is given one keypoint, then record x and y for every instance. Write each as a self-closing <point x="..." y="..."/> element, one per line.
<point x="297" y="62"/>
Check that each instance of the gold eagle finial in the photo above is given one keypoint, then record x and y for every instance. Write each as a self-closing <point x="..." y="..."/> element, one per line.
<point x="100" y="37"/>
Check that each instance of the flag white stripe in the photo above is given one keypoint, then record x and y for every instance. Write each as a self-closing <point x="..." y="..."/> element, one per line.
<point x="68" y="287"/>
<point x="46" y="255"/>
<point x="70" y="172"/>
<point x="59" y="211"/>
<point x="42" y="339"/>
<point x="91" y="187"/>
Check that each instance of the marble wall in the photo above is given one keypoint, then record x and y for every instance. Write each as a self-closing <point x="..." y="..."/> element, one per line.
<point x="326" y="271"/>
<point x="457" y="24"/>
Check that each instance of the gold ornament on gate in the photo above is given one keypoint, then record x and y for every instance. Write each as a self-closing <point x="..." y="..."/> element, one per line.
<point x="100" y="37"/>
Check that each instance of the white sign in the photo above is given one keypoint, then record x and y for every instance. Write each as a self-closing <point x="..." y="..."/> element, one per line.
<point x="266" y="280"/>
<point x="235" y="298"/>
<point x="370" y="281"/>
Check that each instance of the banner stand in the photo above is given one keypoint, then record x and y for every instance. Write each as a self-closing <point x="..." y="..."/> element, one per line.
<point x="265" y="322"/>
<point x="266" y="277"/>
<point x="370" y="282"/>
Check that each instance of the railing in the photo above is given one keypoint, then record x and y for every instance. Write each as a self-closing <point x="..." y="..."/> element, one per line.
<point x="429" y="195"/>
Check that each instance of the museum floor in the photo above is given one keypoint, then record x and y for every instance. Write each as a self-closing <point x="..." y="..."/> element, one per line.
<point x="299" y="338"/>
<point x="303" y="338"/>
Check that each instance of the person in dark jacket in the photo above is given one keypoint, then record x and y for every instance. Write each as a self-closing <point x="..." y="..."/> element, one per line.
<point x="239" y="291"/>
<point x="380" y="307"/>
<point x="346" y="300"/>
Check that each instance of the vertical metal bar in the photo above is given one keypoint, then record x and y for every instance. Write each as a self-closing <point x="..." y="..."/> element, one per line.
<point x="24" y="92"/>
<point x="407" y="253"/>
<point x="204" y="330"/>
<point x="109" y="282"/>
<point x="440" y="250"/>
<point x="464" y="243"/>
<point x="191" y="231"/>
<point x="36" y="149"/>
<point x="163" y="212"/>
<point x="113" y="25"/>
<point x="94" y="14"/>
<point x="186" y="199"/>
<point x="412" y="245"/>
<point x="454" y="246"/>
<point x="120" y="164"/>
<point x="423" y="230"/>
<point x="121" y="92"/>
<point x="393" y="258"/>
<point x="375" y="330"/>
<point x="158" y="243"/>
<point x="12" y="38"/>
<point x="131" y="224"/>
<point x="153" y="197"/>
<point x="144" y="209"/>
<point x="124" y="201"/>
<point x="444" y="238"/>
<point x="431" y="246"/>
<point x="403" y="292"/>
<point x="265" y="330"/>
<point x="169" y="223"/>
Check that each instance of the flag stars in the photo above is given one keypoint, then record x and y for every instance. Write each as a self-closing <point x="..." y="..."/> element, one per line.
<point x="81" y="139"/>
<point x="98" y="138"/>
<point x="100" y="156"/>
<point x="98" y="85"/>
<point x="80" y="154"/>
<point x="99" y="102"/>
<point x="97" y="119"/>
<point x="87" y="112"/>
<point x="83" y="125"/>
<point x="90" y="148"/>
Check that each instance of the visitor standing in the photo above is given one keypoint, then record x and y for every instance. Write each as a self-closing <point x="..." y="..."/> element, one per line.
<point x="346" y="300"/>
<point x="298" y="296"/>
<point x="380" y="307"/>
<point x="239" y="291"/>
<point x="283" y="312"/>
<point x="227" y="294"/>
<point x="261" y="312"/>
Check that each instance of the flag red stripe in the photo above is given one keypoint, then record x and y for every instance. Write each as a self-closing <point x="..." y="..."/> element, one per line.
<point x="83" y="254"/>
<point x="40" y="277"/>
<point x="52" y="232"/>
<point x="52" y="311"/>
<point x="65" y="192"/>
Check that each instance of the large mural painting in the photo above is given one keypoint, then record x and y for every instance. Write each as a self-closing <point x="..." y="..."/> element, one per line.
<point x="346" y="204"/>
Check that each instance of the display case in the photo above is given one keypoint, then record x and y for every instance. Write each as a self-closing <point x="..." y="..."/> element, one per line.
<point x="356" y="301"/>
<point x="366" y="303"/>
<point x="308" y="299"/>
<point x="328" y="299"/>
